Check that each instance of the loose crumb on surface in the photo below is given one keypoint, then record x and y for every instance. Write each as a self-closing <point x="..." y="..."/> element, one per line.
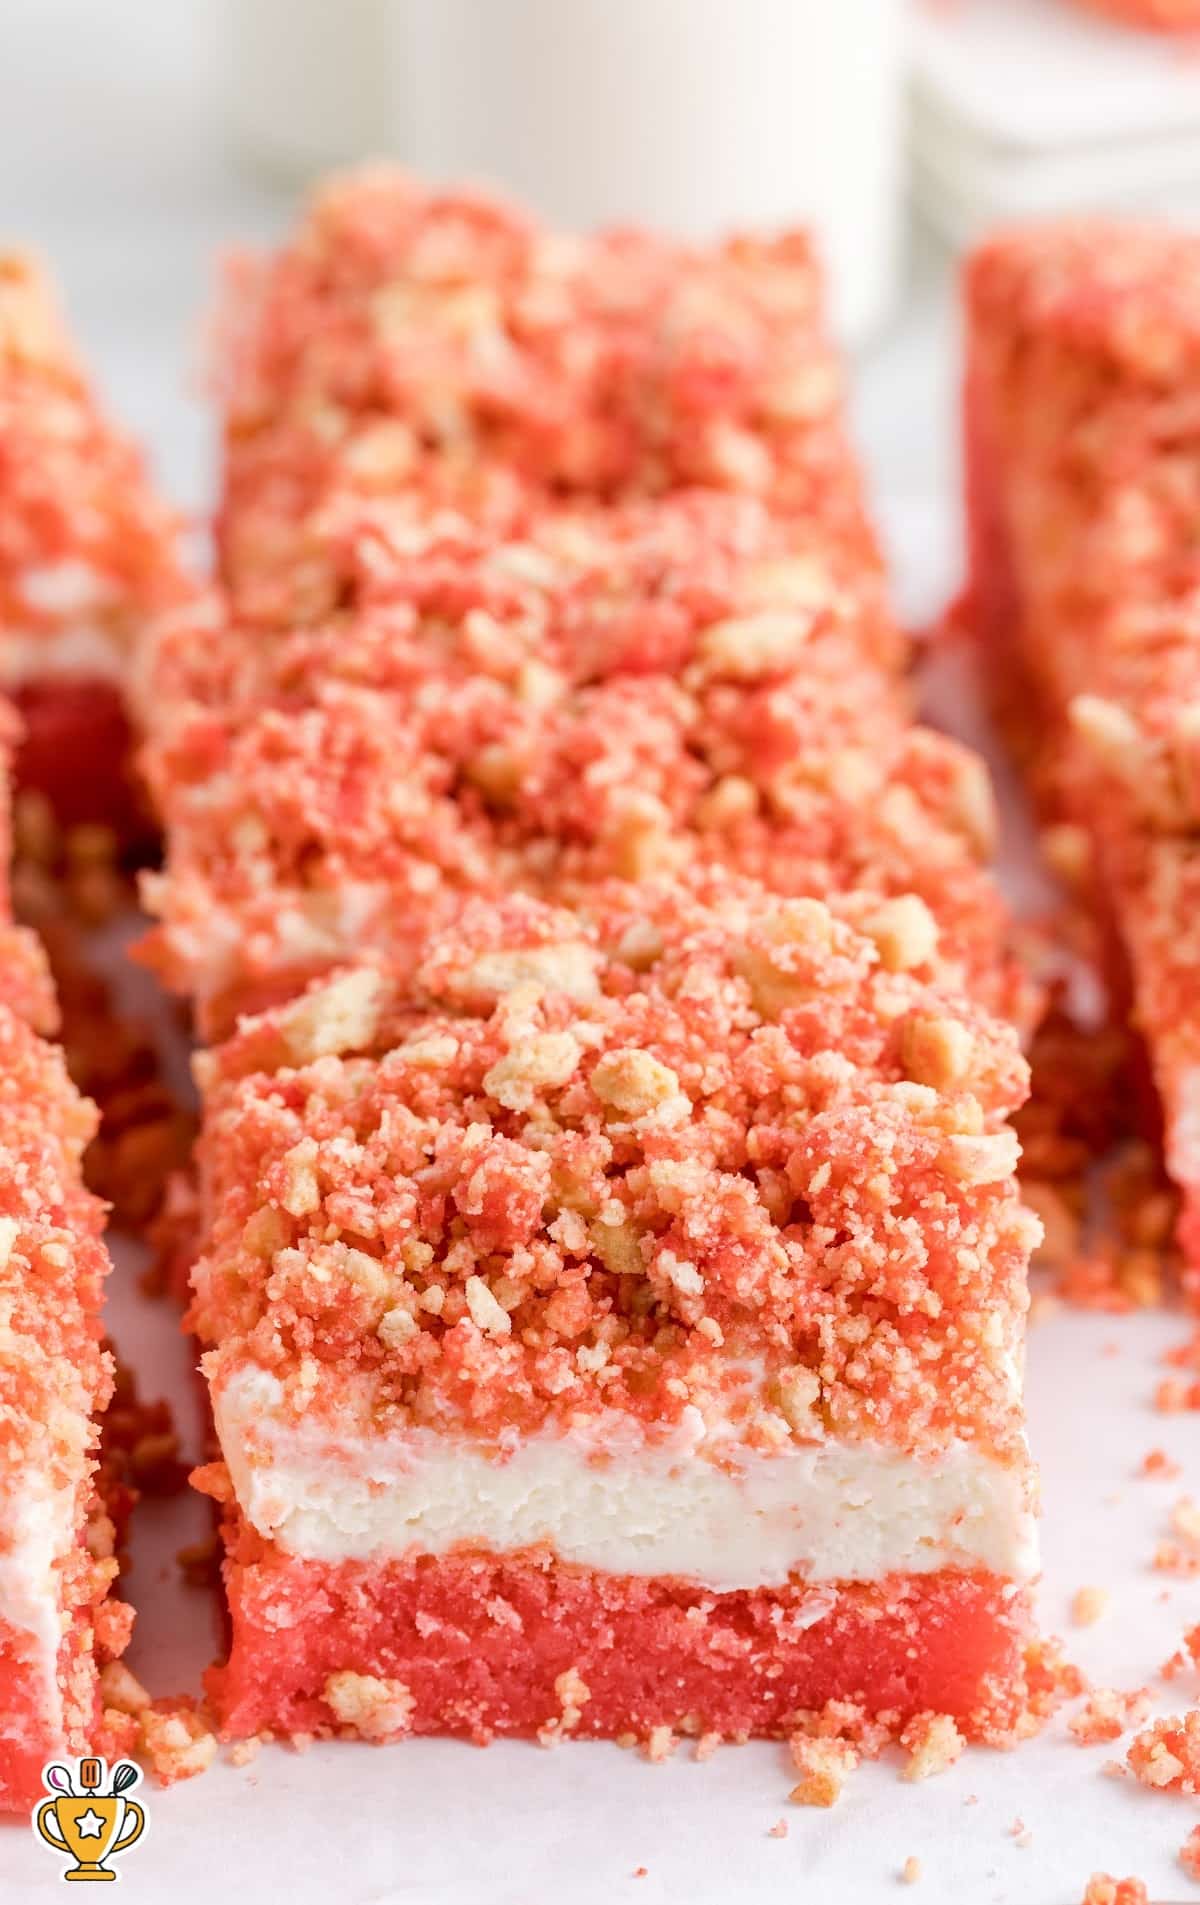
<point x="1188" y="1654"/>
<point x="1185" y="1520"/>
<point x="779" y="1830"/>
<point x="1103" y="1890"/>
<point x="1166" y="1755"/>
<point x="1107" y="1713"/>
<point x="933" y="1742"/>
<point x="1172" y="1557"/>
<point x="910" y="1871"/>
<point x="1158" y="1466"/>
<point x="176" y="1739"/>
<point x="1173" y="1397"/>
<point x="1189" y="1854"/>
<point x="120" y="1690"/>
<point x="1185" y="1355"/>
<point x="1089" y="1605"/>
<point x="1050" y="1681"/>
<point x="660" y="1744"/>
<point x="824" y="1767"/>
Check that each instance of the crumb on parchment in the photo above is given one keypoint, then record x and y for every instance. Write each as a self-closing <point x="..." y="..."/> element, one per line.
<point x="1103" y="1890"/>
<point x="1089" y="1605"/>
<point x="824" y="1767"/>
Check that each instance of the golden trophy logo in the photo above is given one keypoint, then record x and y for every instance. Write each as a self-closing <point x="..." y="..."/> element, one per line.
<point x="86" y="1822"/>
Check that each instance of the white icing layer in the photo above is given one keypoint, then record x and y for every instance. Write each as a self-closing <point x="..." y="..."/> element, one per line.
<point x="37" y="1527"/>
<point x="82" y="644"/>
<point x="692" y="1504"/>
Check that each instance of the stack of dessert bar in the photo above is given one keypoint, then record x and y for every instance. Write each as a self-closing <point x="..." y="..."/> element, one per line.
<point x="613" y="1276"/>
<point x="1083" y="432"/>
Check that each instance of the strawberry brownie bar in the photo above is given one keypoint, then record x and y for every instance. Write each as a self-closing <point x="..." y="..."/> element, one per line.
<point x="614" y="1325"/>
<point x="1083" y="446"/>
<point x="647" y="688"/>
<point x="87" y="555"/>
<point x="56" y="1548"/>
<point x="446" y="346"/>
<point x="57" y="1625"/>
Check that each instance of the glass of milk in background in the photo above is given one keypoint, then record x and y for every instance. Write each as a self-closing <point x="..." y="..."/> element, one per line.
<point x="690" y="116"/>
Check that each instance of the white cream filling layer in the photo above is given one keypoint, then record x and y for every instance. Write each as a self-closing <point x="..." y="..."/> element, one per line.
<point x="612" y="1498"/>
<point x="81" y="645"/>
<point x="37" y="1527"/>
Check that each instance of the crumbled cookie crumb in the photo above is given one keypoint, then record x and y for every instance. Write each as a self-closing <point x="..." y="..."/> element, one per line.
<point x="1172" y="1557"/>
<point x="1185" y="1520"/>
<point x="1158" y="1466"/>
<point x="660" y="1744"/>
<point x="1103" y="1890"/>
<point x="1107" y="1713"/>
<point x="824" y="1766"/>
<point x="1166" y="1755"/>
<point x="176" y="1739"/>
<point x="1173" y="1397"/>
<point x="933" y="1742"/>
<point x="910" y="1871"/>
<point x="1089" y="1605"/>
<point x="377" y="1709"/>
<point x="1190" y="1652"/>
<point x="120" y="1690"/>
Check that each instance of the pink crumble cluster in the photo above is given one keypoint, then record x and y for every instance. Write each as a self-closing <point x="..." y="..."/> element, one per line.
<point x="1083" y="493"/>
<point x="617" y="1014"/>
<point x="1101" y="1889"/>
<point x="1166" y="1755"/>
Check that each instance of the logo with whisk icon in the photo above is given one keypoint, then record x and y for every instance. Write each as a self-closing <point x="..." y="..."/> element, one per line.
<point x="89" y="1818"/>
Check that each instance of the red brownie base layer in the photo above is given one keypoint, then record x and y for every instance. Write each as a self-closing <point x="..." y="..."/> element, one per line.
<point x="76" y="750"/>
<point x="482" y="1644"/>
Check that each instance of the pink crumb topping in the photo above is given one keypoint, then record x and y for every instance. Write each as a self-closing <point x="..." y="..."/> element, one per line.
<point x="595" y="1160"/>
<point x="647" y="691"/>
<point x="442" y="343"/>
